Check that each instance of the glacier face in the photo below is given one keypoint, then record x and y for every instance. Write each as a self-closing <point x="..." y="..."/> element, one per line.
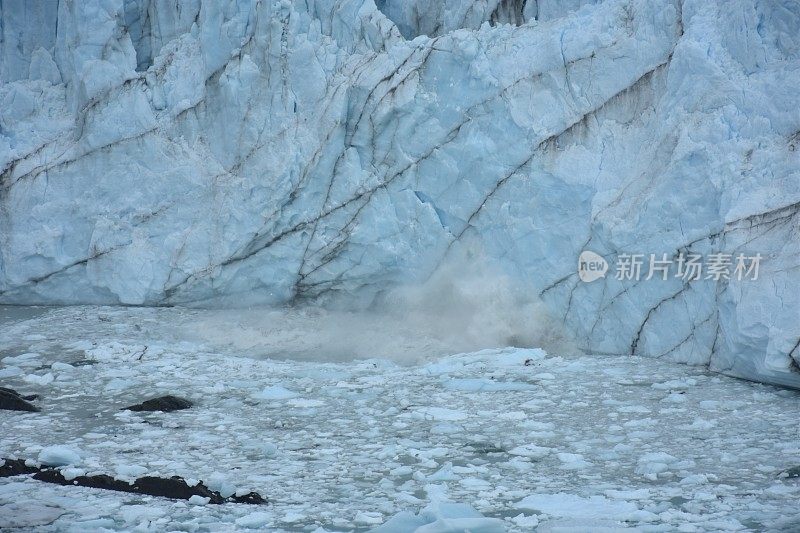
<point x="158" y="152"/>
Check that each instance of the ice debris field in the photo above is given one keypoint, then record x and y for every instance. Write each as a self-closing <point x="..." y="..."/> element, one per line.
<point x="496" y="440"/>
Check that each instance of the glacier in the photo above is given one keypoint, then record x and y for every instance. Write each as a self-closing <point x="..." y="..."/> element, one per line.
<point x="165" y="152"/>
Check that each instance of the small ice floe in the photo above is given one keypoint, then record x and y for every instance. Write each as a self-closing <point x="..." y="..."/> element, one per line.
<point x="699" y="424"/>
<point x="650" y="465"/>
<point x="528" y="522"/>
<point x="219" y="483"/>
<point x="441" y="517"/>
<point x="530" y="451"/>
<point x="275" y="393"/>
<point x="400" y="471"/>
<point x="129" y="472"/>
<point x="445" y="473"/>
<point x="291" y="517"/>
<point x="71" y="472"/>
<point x="675" y="384"/>
<point x="257" y="520"/>
<point x="25" y="360"/>
<point x="11" y="372"/>
<point x="695" y="479"/>
<point x="573" y="461"/>
<point x="513" y="415"/>
<point x="59" y="456"/>
<point x="305" y="403"/>
<point x="37" y="379"/>
<point x="518" y="356"/>
<point x="368" y="518"/>
<point x="198" y="500"/>
<point x="574" y="506"/>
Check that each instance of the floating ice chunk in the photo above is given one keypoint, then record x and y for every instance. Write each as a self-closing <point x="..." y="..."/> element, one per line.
<point x="520" y="357"/>
<point x="441" y="517"/>
<point x="369" y="518"/>
<point x="475" y="483"/>
<point x="445" y="473"/>
<point x="699" y="424"/>
<point x="36" y="379"/>
<point x="24" y="360"/>
<point x="573" y="461"/>
<point x="640" y="494"/>
<point x="59" y="456"/>
<point x="269" y="449"/>
<point x="573" y="506"/>
<point x="10" y="372"/>
<point x="531" y="450"/>
<point x="652" y="464"/>
<point x="676" y="384"/>
<point x="71" y="473"/>
<point x="199" y="500"/>
<point x="218" y="482"/>
<point x="513" y="415"/>
<point x="696" y="479"/>
<point x="118" y="384"/>
<point x="255" y="520"/>
<point x="526" y="521"/>
<point x="292" y="517"/>
<point x="130" y="471"/>
<point x="657" y="456"/>
<point x="305" y="402"/>
<point x="275" y="392"/>
<point x="400" y="471"/>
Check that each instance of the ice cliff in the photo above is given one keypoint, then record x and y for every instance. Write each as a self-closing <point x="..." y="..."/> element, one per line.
<point x="158" y="152"/>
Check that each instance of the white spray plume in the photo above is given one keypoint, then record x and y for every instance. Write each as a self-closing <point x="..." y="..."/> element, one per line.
<point x="465" y="306"/>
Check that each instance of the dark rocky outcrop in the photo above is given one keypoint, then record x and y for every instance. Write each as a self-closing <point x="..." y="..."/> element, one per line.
<point x="174" y="487"/>
<point x="11" y="400"/>
<point x="16" y="467"/>
<point x="163" y="403"/>
<point x="791" y="472"/>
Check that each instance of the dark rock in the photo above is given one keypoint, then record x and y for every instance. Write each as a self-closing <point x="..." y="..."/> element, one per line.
<point x="174" y="487"/>
<point x="792" y="472"/>
<point x="251" y="497"/>
<point x="100" y="481"/>
<point x="15" y="467"/>
<point x="11" y="400"/>
<point x="164" y="403"/>
<point x="28" y="397"/>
